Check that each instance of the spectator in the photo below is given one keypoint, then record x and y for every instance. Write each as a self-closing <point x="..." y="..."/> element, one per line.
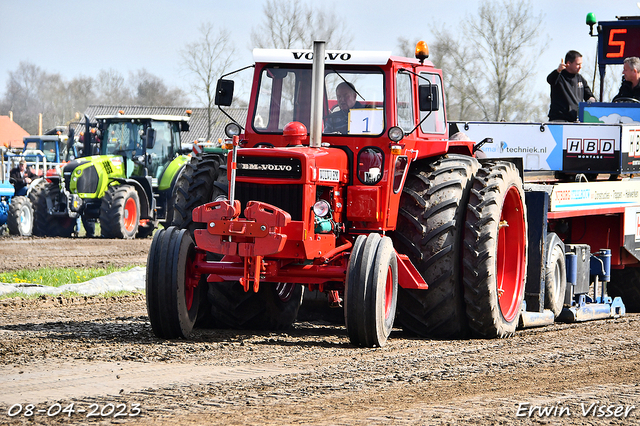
<point x="22" y="177"/>
<point x="568" y="88"/>
<point x="630" y="88"/>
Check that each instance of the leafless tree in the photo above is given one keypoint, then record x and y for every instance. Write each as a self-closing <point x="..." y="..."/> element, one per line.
<point x="150" y="90"/>
<point x="111" y="88"/>
<point x="205" y="60"/>
<point x="22" y="95"/>
<point x="488" y="63"/>
<point x="293" y="24"/>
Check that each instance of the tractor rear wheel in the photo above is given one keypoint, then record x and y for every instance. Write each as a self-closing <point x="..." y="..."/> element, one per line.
<point x="120" y="212"/>
<point x="195" y="186"/>
<point x="172" y="284"/>
<point x="20" y="219"/>
<point x="625" y="283"/>
<point x="371" y="291"/>
<point x="495" y="247"/>
<point x="430" y="231"/>
<point x="44" y="224"/>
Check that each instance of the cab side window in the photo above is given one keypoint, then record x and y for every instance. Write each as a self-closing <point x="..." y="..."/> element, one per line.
<point x="404" y="101"/>
<point x="435" y="122"/>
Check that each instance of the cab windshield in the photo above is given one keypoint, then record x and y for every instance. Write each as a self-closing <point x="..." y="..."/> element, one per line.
<point x="353" y="100"/>
<point x="123" y="136"/>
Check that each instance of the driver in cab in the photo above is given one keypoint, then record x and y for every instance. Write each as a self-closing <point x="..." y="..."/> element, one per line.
<point x="338" y="121"/>
<point x="630" y="89"/>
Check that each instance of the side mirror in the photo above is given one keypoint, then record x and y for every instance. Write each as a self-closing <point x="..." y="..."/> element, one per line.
<point x="184" y="126"/>
<point x="224" y="92"/>
<point x="429" y="100"/>
<point x="151" y="138"/>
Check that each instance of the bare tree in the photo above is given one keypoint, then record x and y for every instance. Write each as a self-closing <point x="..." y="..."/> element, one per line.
<point x="22" y="95"/>
<point x="111" y="88"/>
<point x="504" y="31"/>
<point x="150" y="90"/>
<point x="292" y="24"/>
<point x="205" y="61"/>
<point x="489" y="61"/>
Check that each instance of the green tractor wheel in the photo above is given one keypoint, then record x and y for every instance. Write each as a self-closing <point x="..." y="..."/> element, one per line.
<point x="120" y="212"/>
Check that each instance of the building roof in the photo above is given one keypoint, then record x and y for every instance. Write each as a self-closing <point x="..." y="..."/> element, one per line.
<point x="197" y="123"/>
<point x="11" y="133"/>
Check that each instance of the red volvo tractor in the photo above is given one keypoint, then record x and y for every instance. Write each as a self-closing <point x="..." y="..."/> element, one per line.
<point x="345" y="180"/>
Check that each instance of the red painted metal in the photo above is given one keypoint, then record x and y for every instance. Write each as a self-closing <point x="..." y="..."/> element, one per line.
<point x="408" y="275"/>
<point x="388" y="293"/>
<point x="230" y="237"/>
<point x="585" y="212"/>
<point x="511" y="254"/>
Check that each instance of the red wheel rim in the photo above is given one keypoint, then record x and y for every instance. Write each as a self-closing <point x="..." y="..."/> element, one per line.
<point x="511" y="254"/>
<point x="388" y="293"/>
<point x="130" y="213"/>
<point x="191" y="281"/>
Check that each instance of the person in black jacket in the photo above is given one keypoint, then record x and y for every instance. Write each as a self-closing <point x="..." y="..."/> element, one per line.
<point x="21" y="177"/>
<point x="568" y="88"/>
<point x="631" y="72"/>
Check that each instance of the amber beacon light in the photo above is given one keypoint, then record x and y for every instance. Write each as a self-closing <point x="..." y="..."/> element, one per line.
<point x="422" y="51"/>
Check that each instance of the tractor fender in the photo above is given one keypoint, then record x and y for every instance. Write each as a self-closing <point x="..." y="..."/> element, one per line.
<point x="34" y="183"/>
<point x="170" y="174"/>
<point x="146" y="209"/>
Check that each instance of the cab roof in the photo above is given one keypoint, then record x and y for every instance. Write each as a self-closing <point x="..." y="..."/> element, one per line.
<point x="123" y="117"/>
<point x="337" y="57"/>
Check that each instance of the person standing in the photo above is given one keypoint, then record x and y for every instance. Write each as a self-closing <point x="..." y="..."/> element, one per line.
<point x="630" y="87"/>
<point x="568" y="88"/>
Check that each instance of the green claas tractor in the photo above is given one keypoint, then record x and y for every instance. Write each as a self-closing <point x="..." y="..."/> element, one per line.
<point x="128" y="187"/>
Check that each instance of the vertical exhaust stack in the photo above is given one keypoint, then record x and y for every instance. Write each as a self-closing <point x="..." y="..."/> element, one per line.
<point x="317" y="85"/>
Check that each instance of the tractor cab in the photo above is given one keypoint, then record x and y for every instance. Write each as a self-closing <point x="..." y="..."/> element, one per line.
<point x="147" y="144"/>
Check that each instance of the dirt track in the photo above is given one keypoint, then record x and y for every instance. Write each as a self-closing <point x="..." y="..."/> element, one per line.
<point x="33" y="252"/>
<point x="102" y="352"/>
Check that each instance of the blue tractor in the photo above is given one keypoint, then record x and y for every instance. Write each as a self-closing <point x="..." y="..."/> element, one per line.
<point x="16" y="212"/>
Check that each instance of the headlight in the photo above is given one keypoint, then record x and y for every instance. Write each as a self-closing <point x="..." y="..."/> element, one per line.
<point x="232" y="129"/>
<point x="395" y="133"/>
<point x="321" y="208"/>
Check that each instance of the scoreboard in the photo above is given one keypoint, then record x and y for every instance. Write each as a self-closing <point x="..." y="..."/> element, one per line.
<point x="618" y="40"/>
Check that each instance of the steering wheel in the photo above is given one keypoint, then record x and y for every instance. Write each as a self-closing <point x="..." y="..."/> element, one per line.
<point x="633" y="100"/>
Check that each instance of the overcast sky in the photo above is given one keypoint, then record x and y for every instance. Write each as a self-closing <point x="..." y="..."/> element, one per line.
<point x="74" y="37"/>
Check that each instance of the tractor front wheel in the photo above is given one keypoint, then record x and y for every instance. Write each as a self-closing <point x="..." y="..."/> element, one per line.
<point x="20" y="220"/>
<point x="555" y="280"/>
<point x="45" y="224"/>
<point x="120" y="212"/>
<point x="495" y="247"/>
<point x="172" y="284"/>
<point x="371" y="291"/>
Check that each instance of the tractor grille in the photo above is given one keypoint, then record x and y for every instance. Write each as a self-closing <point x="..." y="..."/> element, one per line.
<point x="88" y="181"/>
<point x="286" y="197"/>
